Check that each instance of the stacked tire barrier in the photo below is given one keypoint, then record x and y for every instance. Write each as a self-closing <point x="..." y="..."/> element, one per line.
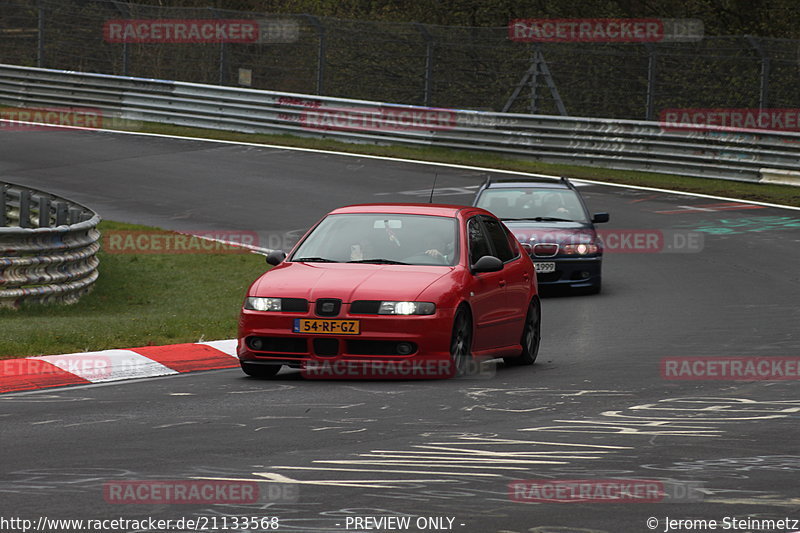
<point x="48" y="247"/>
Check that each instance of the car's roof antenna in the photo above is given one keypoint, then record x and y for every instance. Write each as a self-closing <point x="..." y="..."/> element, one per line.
<point x="436" y="175"/>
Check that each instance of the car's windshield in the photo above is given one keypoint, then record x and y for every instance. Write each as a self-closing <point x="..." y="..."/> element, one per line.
<point x="532" y="203"/>
<point x="381" y="239"/>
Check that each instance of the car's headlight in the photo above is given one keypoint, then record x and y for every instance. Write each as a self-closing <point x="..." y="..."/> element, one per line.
<point x="579" y="249"/>
<point x="407" y="308"/>
<point x="256" y="303"/>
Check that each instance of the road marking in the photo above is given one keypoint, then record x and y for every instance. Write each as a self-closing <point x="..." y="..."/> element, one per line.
<point x="173" y="425"/>
<point x="709" y="208"/>
<point x="413" y="161"/>
<point x="272" y="477"/>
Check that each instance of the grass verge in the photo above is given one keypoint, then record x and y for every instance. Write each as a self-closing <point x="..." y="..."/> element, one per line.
<point x="777" y="194"/>
<point x="138" y="300"/>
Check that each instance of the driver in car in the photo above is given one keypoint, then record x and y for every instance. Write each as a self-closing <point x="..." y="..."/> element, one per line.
<point x="553" y="206"/>
<point x="437" y="246"/>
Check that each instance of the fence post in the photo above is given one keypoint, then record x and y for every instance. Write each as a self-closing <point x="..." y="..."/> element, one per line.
<point x="428" y="82"/>
<point x="763" y="86"/>
<point x="320" y="52"/>
<point x="534" y="76"/>
<point x="651" y="81"/>
<point x="223" y="55"/>
<point x="40" y="37"/>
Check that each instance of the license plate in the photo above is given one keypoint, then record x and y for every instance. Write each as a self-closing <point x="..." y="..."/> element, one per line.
<point x="327" y="327"/>
<point x="543" y="268"/>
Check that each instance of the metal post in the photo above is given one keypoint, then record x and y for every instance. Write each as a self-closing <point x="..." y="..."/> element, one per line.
<point x="24" y="208"/>
<point x="223" y="56"/>
<point x="125" y="11"/>
<point x="126" y="59"/>
<point x="62" y="213"/>
<point x="314" y="21"/>
<point x="428" y="82"/>
<point x="223" y="63"/>
<point x="44" y="212"/>
<point x="651" y="82"/>
<point x="534" y="77"/>
<point x="40" y="37"/>
<point x="763" y="89"/>
<point x="3" y="198"/>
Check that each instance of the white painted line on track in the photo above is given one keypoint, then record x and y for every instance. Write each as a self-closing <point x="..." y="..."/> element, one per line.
<point x="414" y="161"/>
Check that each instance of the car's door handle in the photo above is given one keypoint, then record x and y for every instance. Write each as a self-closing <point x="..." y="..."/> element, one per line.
<point x="502" y="283"/>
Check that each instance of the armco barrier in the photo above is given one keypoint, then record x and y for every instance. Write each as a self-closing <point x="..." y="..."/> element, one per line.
<point x="726" y="153"/>
<point x="48" y="247"/>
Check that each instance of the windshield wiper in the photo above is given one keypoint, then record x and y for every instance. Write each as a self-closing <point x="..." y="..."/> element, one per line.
<point x="538" y="219"/>
<point x="379" y="261"/>
<point x="314" y="260"/>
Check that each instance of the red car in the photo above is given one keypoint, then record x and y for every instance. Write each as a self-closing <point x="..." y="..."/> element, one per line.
<point x="412" y="290"/>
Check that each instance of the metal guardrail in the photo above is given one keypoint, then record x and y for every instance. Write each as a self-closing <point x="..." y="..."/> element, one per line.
<point x="48" y="247"/>
<point x="725" y="153"/>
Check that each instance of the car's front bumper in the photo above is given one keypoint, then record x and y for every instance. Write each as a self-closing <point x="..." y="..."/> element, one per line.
<point x="373" y="350"/>
<point x="571" y="271"/>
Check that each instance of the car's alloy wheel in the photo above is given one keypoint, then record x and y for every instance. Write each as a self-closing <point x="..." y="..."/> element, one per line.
<point x="531" y="336"/>
<point x="260" y="371"/>
<point x="461" y="342"/>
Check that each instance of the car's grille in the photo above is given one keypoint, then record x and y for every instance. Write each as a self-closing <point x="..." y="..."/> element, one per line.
<point x="370" y="347"/>
<point x="545" y="249"/>
<point x="328" y="306"/>
<point x="294" y="305"/>
<point x="278" y="344"/>
<point x="365" y="307"/>
<point x="326" y="347"/>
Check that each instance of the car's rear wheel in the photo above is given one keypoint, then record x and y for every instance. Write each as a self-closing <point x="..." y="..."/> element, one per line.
<point x="260" y="371"/>
<point x="461" y="342"/>
<point x="531" y="336"/>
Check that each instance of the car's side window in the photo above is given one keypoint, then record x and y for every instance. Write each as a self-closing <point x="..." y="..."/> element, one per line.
<point x="513" y="242"/>
<point x="478" y="242"/>
<point x="499" y="239"/>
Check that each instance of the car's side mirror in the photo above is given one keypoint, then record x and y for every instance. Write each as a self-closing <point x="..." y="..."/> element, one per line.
<point x="487" y="263"/>
<point x="276" y="257"/>
<point x="599" y="218"/>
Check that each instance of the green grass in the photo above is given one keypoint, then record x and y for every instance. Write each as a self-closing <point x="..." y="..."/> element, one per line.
<point x="778" y="194"/>
<point x="138" y="300"/>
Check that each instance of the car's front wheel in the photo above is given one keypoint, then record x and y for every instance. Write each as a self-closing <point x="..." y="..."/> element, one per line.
<point x="461" y="342"/>
<point x="531" y="336"/>
<point x="260" y="371"/>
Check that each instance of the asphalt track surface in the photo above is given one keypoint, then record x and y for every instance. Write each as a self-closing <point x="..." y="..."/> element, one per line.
<point x="595" y="406"/>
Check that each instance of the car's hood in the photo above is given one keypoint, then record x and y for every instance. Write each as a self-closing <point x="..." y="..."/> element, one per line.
<point x="552" y="232"/>
<point x="347" y="282"/>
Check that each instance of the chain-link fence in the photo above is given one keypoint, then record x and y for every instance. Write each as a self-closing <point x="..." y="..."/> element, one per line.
<point x="457" y="67"/>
